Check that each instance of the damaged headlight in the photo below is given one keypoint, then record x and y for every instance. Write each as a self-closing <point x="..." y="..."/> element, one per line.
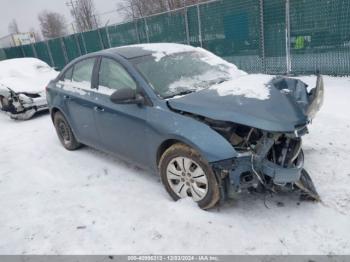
<point x="316" y="98"/>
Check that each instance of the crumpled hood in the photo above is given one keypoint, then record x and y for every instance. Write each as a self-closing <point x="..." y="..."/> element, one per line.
<point x="260" y="101"/>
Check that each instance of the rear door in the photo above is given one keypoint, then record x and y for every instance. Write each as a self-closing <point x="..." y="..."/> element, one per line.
<point x="122" y="128"/>
<point x="79" y="100"/>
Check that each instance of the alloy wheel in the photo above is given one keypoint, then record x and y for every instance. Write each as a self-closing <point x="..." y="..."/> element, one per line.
<point x="187" y="179"/>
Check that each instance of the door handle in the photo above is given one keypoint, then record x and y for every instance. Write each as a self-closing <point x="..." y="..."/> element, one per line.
<point x="99" y="109"/>
<point x="65" y="97"/>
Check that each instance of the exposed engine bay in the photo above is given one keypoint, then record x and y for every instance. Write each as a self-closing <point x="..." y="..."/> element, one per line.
<point x="266" y="161"/>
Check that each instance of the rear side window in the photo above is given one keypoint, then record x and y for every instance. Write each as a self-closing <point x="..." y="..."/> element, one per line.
<point x="82" y="72"/>
<point x="113" y="76"/>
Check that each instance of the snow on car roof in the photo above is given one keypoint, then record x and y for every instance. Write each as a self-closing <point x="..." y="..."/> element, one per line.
<point x="25" y="74"/>
<point x="157" y="50"/>
<point x="161" y="50"/>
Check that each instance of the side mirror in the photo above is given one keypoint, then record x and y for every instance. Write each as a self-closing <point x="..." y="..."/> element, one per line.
<point x="127" y="96"/>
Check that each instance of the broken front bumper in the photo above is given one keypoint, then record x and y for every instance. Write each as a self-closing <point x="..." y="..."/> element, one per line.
<point x="246" y="170"/>
<point x="23" y="107"/>
<point x="283" y="175"/>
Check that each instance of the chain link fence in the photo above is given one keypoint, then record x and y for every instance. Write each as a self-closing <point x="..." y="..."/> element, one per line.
<point x="265" y="36"/>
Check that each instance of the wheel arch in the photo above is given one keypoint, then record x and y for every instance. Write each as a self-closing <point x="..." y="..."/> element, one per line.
<point x="53" y="111"/>
<point x="164" y="146"/>
<point x="56" y="109"/>
<point x="202" y="148"/>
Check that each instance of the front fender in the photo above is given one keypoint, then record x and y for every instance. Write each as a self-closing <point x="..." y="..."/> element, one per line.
<point x="168" y="125"/>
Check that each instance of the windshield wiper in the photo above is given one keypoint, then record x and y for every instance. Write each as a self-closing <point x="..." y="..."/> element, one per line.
<point x="182" y="93"/>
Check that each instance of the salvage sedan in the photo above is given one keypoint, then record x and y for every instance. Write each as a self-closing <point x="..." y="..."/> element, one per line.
<point x="22" y="86"/>
<point x="208" y="129"/>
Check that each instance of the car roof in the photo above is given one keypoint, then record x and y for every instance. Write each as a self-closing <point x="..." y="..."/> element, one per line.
<point x="134" y="51"/>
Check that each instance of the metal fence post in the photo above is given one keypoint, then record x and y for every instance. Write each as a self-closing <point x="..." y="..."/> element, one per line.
<point x="186" y="26"/>
<point x="77" y="44"/>
<point x="100" y="38"/>
<point x="63" y="47"/>
<point x="34" y="51"/>
<point x="83" y="40"/>
<point x="108" y="38"/>
<point x="199" y="26"/>
<point x="22" y="51"/>
<point x="288" y="45"/>
<point x="262" y="36"/>
<point x="146" y="29"/>
<point x="50" y="54"/>
<point x="137" y="31"/>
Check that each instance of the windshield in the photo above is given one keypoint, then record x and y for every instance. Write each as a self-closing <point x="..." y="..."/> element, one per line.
<point x="183" y="73"/>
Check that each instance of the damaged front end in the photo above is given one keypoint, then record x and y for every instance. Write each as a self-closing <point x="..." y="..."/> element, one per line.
<point x="266" y="160"/>
<point x="22" y="105"/>
<point x="270" y="161"/>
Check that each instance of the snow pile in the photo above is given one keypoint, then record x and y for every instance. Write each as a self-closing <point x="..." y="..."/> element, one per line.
<point x="250" y="86"/>
<point x="25" y="74"/>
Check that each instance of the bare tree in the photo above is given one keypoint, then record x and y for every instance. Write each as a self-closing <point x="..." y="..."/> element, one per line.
<point x="13" y="27"/>
<point x="133" y="9"/>
<point x="83" y="12"/>
<point x="52" y="24"/>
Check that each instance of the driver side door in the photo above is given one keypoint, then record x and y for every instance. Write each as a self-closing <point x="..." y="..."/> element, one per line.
<point x="122" y="128"/>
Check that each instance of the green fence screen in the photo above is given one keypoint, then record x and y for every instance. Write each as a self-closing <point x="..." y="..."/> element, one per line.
<point x="320" y="36"/>
<point x="72" y="47"/>
<point x="256" y="35"/>
<point x="124" y="34"/>
<point x="42" y="52"/>
<point x="13" y="52"/>
<point x="58" y="53"/>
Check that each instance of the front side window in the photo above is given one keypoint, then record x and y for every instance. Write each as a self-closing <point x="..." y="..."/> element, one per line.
<point x="113" y="76"/>
<point x="68" y="75"/>
<point x="82" y="73"/>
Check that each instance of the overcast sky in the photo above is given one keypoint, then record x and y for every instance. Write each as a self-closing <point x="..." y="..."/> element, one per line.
<point x="26" y="12"/>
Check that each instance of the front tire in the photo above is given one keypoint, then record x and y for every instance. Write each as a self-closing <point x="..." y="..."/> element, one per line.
<point x="65" y="133"/>
<point x="184" y="173"/>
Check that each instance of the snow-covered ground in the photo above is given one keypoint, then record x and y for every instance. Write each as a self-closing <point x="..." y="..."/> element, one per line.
<point x="57" y="202"/>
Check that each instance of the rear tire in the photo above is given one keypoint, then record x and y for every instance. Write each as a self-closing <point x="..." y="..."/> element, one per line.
<point x="184" y="173"/>
<point x="65" y="133"/>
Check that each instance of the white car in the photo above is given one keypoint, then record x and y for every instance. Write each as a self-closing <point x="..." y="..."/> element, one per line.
<point x="22" y="86"/>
